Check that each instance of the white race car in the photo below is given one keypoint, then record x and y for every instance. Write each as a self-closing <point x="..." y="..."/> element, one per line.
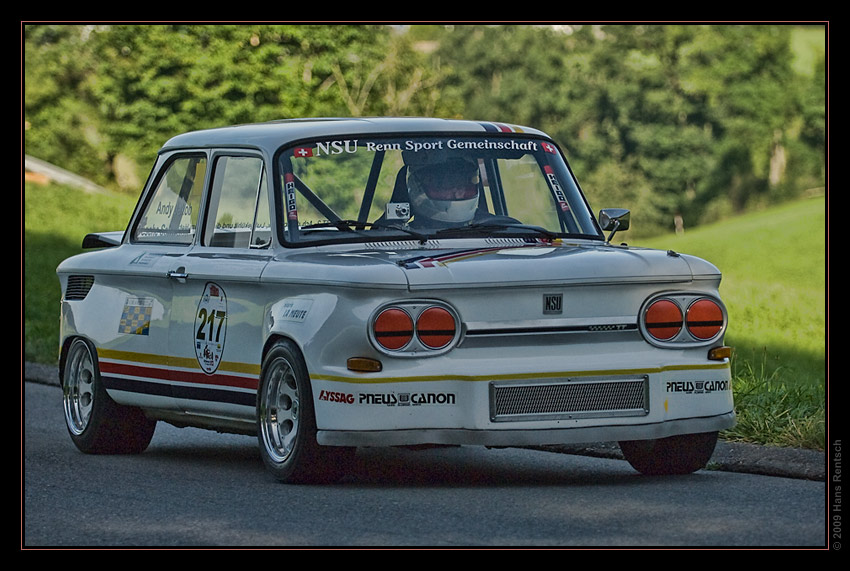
<point x="335" y="283"/>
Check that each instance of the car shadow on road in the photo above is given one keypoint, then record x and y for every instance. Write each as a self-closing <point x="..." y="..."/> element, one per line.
<point x="479" y="466"/>
<point x="425" y="466"/>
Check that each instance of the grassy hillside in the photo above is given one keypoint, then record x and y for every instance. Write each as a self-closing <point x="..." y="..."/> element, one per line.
<point x="56" y="219"/>
<point x="774" y="285"/>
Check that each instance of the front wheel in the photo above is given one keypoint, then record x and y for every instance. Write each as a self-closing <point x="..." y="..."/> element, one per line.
<point x="96" y="423"/>
<point x="674" y="455"/>
<point x="286" y="422"/>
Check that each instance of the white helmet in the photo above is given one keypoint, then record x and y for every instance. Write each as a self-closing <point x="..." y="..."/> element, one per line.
<point x="447" y="192"/>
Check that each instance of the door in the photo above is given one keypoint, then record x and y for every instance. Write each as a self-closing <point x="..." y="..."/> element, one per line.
<point x="136" y="366"/>
<point x="216" y="330"/>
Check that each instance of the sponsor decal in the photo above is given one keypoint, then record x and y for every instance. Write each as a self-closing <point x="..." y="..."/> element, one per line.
<point x="210" y="327"/>
<point x="697" y="387"/>
<point x="407" y="399"/>
<point x="145" y="259"/>
<point x="556" y="188"/>
<point x="330" y="148"/>
<point x="136" y="316"/>
<point x="295" y="310"/>
<point x="289" y="193"/>
<point x="333" y="396"/>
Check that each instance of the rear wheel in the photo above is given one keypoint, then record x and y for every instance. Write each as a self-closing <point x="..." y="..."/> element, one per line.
<point x="681" y="454"/>
<point x="286" y="422"/>
<point x="96" y="423"/>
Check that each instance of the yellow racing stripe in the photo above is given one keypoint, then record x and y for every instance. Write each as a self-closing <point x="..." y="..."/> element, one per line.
<point x="182" y="362"/>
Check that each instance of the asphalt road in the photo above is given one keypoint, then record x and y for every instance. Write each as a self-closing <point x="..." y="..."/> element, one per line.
<point x="195" y="488"/>
<point x="199" y="489"/>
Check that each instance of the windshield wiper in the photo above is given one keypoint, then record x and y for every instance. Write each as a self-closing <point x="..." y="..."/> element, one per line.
<point x="351" y="226"/>
<point x="485" y="227"/>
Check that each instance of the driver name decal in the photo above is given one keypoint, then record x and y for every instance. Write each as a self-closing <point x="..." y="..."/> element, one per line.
<point x="210" y="327"/>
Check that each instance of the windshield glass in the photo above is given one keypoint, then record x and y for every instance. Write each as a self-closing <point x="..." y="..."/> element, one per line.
<point x="429" y="187"/>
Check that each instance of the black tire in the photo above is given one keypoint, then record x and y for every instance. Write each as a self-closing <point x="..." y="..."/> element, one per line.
<point x="96" y="423"/>
<point x="286" y="423"/>
<point x="674" y="455"/>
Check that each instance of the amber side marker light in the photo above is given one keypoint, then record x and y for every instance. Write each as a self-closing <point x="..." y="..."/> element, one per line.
<point x="364" y="365"/>
<point x="720" y="353"/>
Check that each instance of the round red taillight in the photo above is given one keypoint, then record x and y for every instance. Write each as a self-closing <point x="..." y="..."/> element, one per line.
<point x="704" y="319"/>
<point x="436" y="327"/>
<point x="663" y="319"/>
<point x="393" y="328"/>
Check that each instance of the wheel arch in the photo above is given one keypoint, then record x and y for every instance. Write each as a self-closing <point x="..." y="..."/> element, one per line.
<point x="276" y="338"/>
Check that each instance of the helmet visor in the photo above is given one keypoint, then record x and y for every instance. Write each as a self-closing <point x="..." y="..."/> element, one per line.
<point x="452" y="181"/>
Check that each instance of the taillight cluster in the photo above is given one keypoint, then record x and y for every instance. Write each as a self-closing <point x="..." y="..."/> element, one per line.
<point x="414" y="328"/>
<point x="683" y="319"/>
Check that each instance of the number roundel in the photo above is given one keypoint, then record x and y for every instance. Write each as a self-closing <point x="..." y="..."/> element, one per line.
<point x="210" y="327"/>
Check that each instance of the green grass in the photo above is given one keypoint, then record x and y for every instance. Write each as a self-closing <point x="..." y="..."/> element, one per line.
<point x="56" y="219"/>
<point x="774" y="285"/>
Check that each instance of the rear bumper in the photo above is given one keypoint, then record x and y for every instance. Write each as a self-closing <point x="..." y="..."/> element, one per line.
<point x="541" y="411"/>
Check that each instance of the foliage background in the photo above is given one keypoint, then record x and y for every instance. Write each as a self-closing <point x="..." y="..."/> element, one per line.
<point x="687" y="123"/>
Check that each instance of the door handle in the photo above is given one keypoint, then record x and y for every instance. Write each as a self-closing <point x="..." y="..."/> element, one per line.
<point x="179" y="274"/>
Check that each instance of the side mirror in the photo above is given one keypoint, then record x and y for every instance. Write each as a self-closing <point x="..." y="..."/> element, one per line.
<point x="614" y="219"/>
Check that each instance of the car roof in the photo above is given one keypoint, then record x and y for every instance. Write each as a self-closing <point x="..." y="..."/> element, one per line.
<point x="273" y="134"/>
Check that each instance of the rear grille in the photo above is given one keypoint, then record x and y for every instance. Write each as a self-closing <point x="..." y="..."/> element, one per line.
<point x="565" y="399"/>
<point x="78" y="287"/>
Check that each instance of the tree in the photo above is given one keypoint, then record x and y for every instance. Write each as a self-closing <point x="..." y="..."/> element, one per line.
<point x="61" y="123"/>
<point x="678" y="121"/>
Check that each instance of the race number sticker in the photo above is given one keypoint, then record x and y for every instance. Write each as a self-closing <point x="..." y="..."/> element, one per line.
<point x="210" y="327"/>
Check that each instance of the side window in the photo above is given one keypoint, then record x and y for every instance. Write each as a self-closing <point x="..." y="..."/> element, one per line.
<point x="238" y="215"/>
<point x="171" y="216"/>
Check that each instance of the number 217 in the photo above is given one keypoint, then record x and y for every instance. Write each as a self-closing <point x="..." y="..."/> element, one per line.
<point x="206" y="318"/>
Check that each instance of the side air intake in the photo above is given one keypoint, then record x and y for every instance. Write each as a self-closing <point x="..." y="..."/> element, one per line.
<point x="78" y="287"/>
